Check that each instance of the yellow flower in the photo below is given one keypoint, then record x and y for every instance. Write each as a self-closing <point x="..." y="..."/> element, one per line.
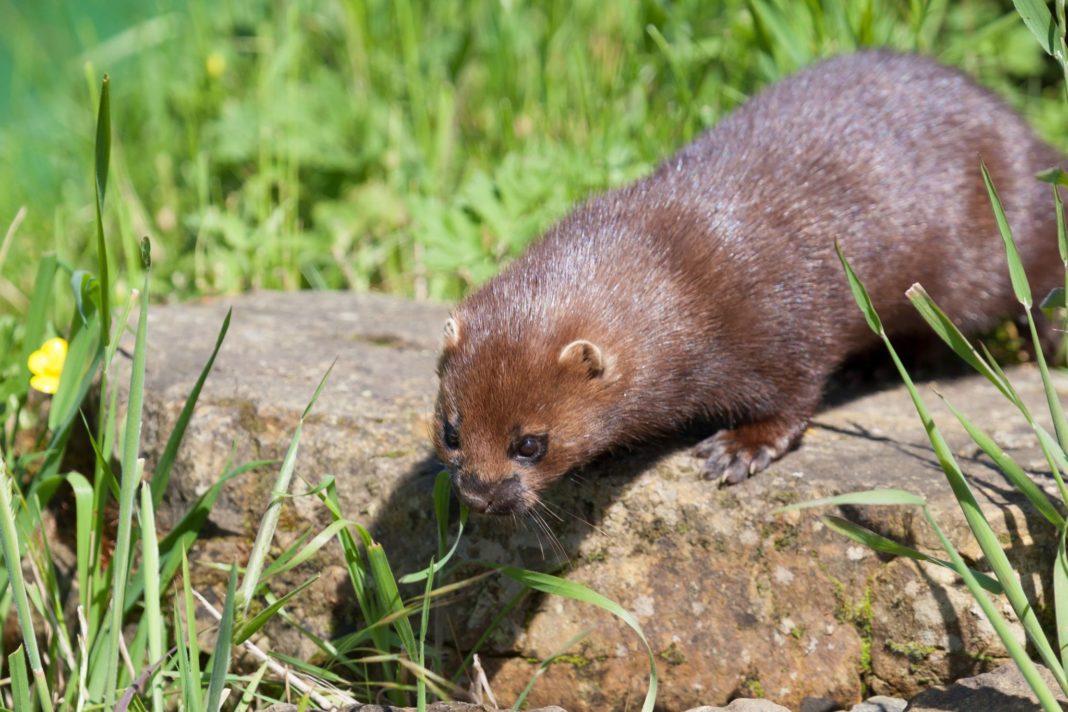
<point x="215" y="65"/>
<point x="46" y="363"/>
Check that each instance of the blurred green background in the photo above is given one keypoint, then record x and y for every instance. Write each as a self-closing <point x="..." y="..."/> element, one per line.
<point x="408" y="146"/>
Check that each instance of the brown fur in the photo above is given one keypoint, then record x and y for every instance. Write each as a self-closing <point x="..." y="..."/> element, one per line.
<point x="711" y="288"/>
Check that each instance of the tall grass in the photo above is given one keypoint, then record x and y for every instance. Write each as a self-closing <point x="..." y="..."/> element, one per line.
<point x="407" y="146"/>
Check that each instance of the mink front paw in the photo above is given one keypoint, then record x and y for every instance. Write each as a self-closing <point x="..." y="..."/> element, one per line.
<point x="731" y="456"/>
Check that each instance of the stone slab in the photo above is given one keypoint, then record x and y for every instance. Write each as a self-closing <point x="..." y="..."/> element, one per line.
<point x="736" y="601"/>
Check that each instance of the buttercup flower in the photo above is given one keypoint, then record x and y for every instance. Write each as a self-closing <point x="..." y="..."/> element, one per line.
<point x="215" y="64"/>
<point x="46" y="363"/>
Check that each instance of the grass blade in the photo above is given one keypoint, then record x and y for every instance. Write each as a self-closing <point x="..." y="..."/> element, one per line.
<point x="993" y="364"/>
<point x="1062" y="234"/>
<point x="294" y="557"/>
<point x="1053" y="176"/>
<point x="358" y="575"/>
<point x="1062" y="246"/>
<point x="1016" y="271"/>
<point x="1053" y="401"/>
<point x="556" y="586"/>
<point x="220" y="663"/>
<point x="13" y="563"/>
<point x="320" y="673"/>
<point x="677" y="71"/>
<point x="1007" y="635"/>
<point x="875" y="497"/>
<point x="1038" y="19"/>
<point x="1054" y="300"/>
<point x="248" y="697"/>
<point x="389" y="598"/>
<point x="83" y="522"/>
<point x="131" y="476"/>
<point x="860" y="293"/>
<point x="79" y="370"/>
<point x="543" y="666"/>
<point x="435" y="566"/>
<point x="777" y="34"/>
<point x="186" y="681"/>
<point x="270" y="518"/>
<point x="1013" y="472"/>
<point x="983" y="532"/>
<point x="103" y="156"/>
<point x="153" y="617"/>
<point x="877" y="542"/>
<point x="1055" y="456"/>
<point x="119" y="327"/>
<point x="424" y="625"/>
<point x="162" y="474"/>
<point x="250" y="627"/>
<point x="181" y="537"/>
<point x="190" y="694"/>
<point x="1060" y="597"/>
<point x="442" y="500"/>
<point x="20" y="681"/>
<point x="944" y="327"/>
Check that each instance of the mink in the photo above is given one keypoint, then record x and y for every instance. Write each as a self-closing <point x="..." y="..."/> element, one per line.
<point x="709" y="291"/>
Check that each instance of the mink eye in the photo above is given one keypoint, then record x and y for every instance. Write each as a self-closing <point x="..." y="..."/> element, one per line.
<point x="450" y="436"/>
<point x="531" y="447"/>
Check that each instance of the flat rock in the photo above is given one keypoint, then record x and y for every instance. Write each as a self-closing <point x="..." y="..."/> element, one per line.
<point x="880" y="703"/>
<point x="1002" y="690"/>
<point x="744" y="705"/>
<point x="736" y="601"/>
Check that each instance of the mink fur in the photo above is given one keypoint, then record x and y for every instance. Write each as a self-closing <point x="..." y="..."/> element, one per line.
<point x="710" y="289"/>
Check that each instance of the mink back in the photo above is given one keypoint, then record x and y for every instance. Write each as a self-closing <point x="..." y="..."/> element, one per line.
<point x="714" y="279"/>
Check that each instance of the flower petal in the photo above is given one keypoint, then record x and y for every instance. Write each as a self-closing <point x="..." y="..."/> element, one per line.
<point x="56" y="348"/>
<point x="45" y="384"/>
<point x="38" y="362"/>
<point x="46" y="365"/>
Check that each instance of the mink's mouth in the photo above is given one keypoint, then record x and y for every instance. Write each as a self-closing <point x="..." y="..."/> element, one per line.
<point x="507" y="496"/>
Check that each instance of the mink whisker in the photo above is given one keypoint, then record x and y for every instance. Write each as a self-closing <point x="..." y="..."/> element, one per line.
<point x="537" y="535"/>
<point x="554" y="541"/>
<point x="576" y="517"/>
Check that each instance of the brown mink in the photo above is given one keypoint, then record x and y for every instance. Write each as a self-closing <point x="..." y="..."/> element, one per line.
<point x="710" y="290"/>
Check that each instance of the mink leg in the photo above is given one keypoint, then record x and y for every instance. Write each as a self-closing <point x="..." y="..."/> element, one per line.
<point x="733" y="455"/>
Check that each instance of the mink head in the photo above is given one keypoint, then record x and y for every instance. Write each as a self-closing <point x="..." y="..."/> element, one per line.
<point x="518" y="407"/>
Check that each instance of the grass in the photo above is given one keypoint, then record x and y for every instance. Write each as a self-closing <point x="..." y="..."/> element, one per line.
<point x="407" y="146"/>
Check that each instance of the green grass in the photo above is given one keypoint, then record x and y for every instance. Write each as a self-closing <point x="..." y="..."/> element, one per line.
<point x="407" y="146"/>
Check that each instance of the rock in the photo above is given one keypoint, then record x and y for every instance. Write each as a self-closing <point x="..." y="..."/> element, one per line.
<point x="436" y="707"/>
<point x="1003" y="690"/>
<point x="744" y="705"/>
<point x="880" y="703"/>
<point x="735" y="600"/>
<point x="818" y="704"/>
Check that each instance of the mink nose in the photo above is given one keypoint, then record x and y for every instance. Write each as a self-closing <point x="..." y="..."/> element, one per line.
<point x="499" y="497"/>
<point x="507" y="496"/>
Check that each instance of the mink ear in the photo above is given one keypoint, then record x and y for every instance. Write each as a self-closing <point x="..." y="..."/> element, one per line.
<point x="583" y="357"/>
<point x="451" y="333"/>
